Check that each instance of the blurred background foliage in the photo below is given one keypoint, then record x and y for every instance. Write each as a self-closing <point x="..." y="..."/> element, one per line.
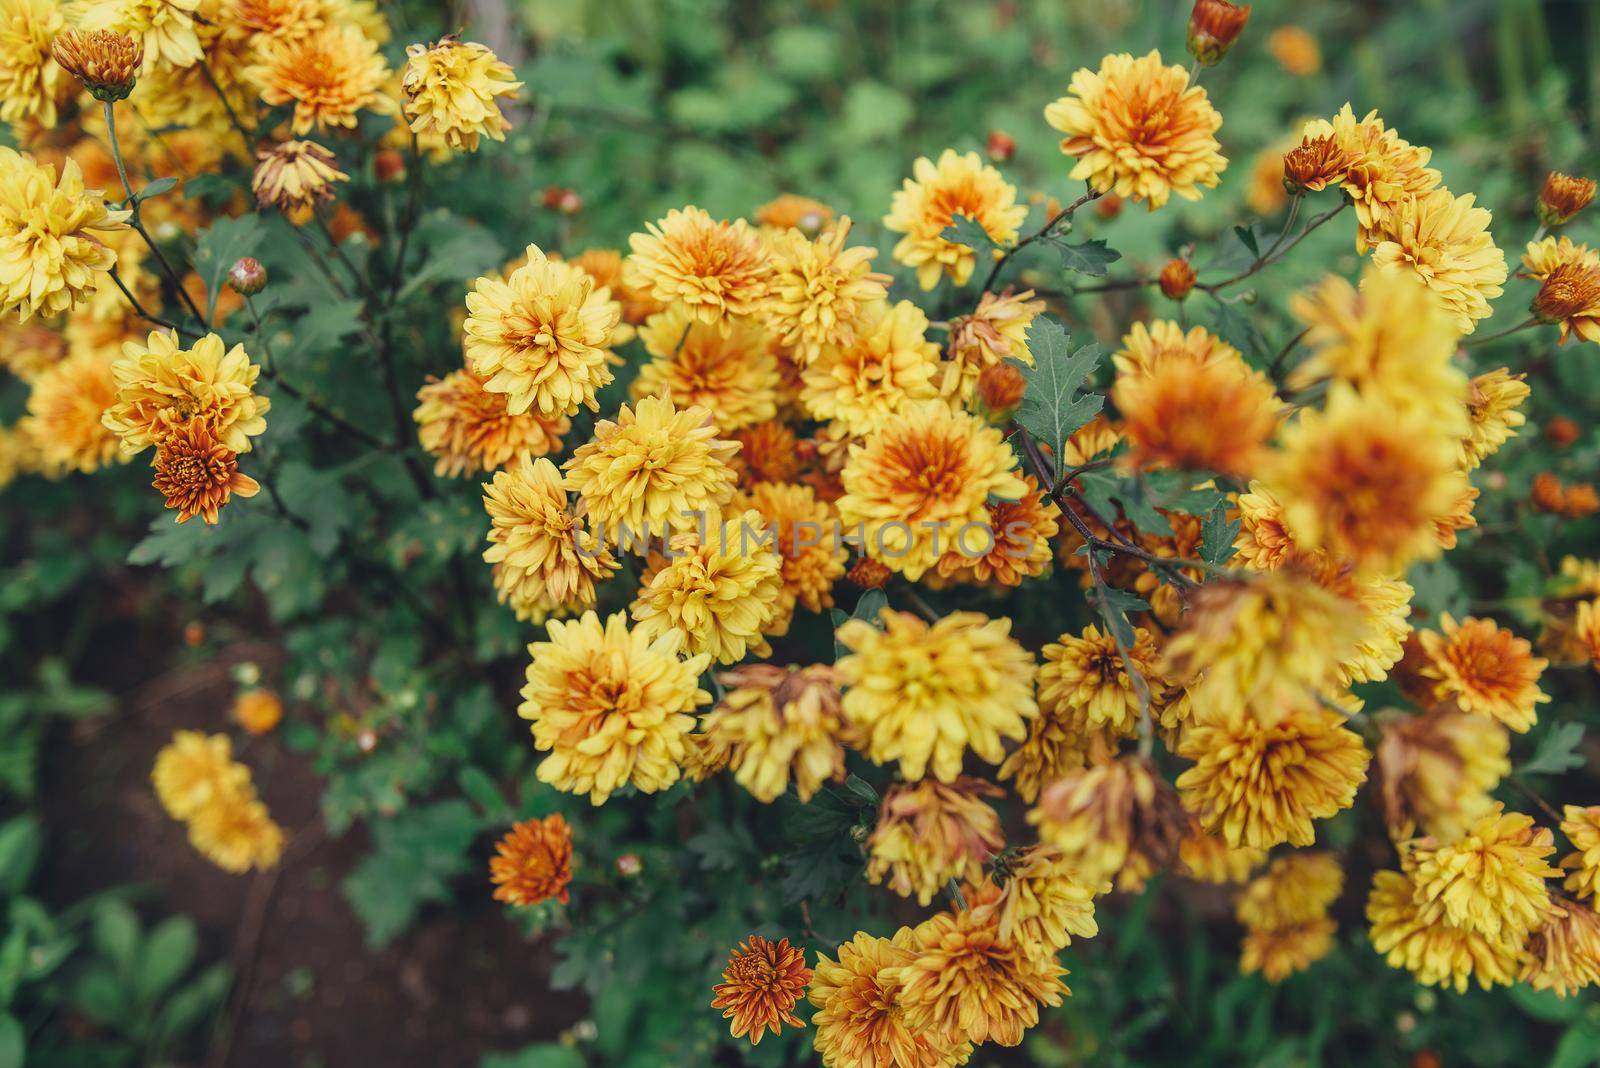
<point x="639" y="106"/>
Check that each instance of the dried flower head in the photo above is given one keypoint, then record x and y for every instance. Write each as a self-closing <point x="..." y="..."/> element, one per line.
<point x="295" y="177"/>
<point x="533" y="862"/>
<point x="1115" y="820"/>
<point x="197" y="474"/>
<point x="106" y="62"/>
<point x="1139" y="128"/>
<point x="930" y="832"/>
<point x="1437" y="771"/>
<point x="760" y="987"/>
<point x="451" y="89"/>
<point x="1562" y="196"/>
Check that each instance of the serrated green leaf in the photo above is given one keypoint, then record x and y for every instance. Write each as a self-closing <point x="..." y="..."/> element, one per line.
<point x="1090" y="257"/>
<point x="1216" y="535"/>
<point x="1557" y="751"/>
<point x="1053" y="405"/>
<point x="965" y="230"/>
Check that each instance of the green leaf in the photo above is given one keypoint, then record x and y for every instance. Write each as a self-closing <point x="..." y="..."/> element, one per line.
<point x="155" y="189"/>
<point x="1557" y="751"/>
<point x="871" y="605"/>
<point x="1053" y="405"/>
<point x="1438" y="590"/>
<point x="168" y="954"/>
<point x="965" y="230"/>
<point x="219" y="247"/>
<point x="20" y="842"/>
<point x="1090" y="258"/>
<point x="13" y="1042"/>
<point x="1216" y="535"/>
<point x="193" y="1002"/>
<point x="544" y="1055"/>
<point x="1236" y="328"/>
<point x="1115" y="604"/>
<point x="477" y="785"/>
<point x="116" y="935"/>
<point x="1247" y="238"/>
<point x="415" y="856"/>
<point x="99" y="996"/>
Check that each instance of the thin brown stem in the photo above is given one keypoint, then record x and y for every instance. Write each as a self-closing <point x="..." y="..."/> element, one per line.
<point x="1043" y="232"/>
<point x="1531" y="320"/>
<point x="139" y="310"/>
<point x="1276" y="252"/>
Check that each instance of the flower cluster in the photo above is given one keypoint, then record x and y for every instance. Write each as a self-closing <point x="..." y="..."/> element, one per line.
<point x="198" y="781"/>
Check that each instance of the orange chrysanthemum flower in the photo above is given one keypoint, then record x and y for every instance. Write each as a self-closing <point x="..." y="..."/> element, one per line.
<point x="1562" y="196"/>
<point x="1016" y="545"/>
<point x="533" y="862"/>
<point x="63" y="423"/>
<point x="1140" y="129"/>
<point x="1085" y="678"/>
<point x="790" y="211"/>
<point x="731" y="373"/>
<point x="1569" y="291"/>
<point x="861" y="1021"/>
<point x="808" y="543"/>
<point x="1314" y="164"/>
<point x="768" y="452"/>
<point x="930" y="200"/>
<point x="1213" y="415"/>
<point x="996" y="331"/>
<point x="197" y="474"/>
<point x="719" y="270"/>
<point x="969" y="984"/>
<point x="468" y="429"/>
<point x="1484" y="669"/>
<point x="329" y="76"/>
<point x="1380" y="168"/>
<point x="761" y="984"/>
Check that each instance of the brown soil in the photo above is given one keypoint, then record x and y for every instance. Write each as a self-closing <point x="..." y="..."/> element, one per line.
<point x="455" y="987"/>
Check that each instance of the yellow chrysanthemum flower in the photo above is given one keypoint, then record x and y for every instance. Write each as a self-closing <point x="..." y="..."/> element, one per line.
<point x="1435" y="953"/>
<point x="929" y="833"/>
<point x="1140" y="129"/>
<point x="1207" y="858"/>
<point x="1493" y="400"/>
<point x="296" y="177"/>
<point x="1582" y="828"/>
<point x="328" y="76"/>
<point x="1296" y="887"/>
<point x="541" y="336"/>
<point x="451" y="89"/>
<point x="1085" y="678"/>
<point x="1116" y="820"/>
<point x="1484" y="669"/>
<point x="652" y="470"/>
<point x="168" y="95"/>
<point x="28" y="75"/>
<point x="1018" y="543"/>
<point x="731" y="373"/>
<point x="861" y="1020"/>
<point x="1366" y="479"/>
<point x="890" y="363"/>
<point x="997" y="330"/>
<point x="1491" y="881"/>
<point x="779" y="725"/>
<point x="1392" y="336"/>
<point x="52" y="248"/>
<point x="1381" y="169"/>
<point x="1564" y="954"/>
<point x="1445" y="240"/>
<point x="1279" y="952"/>
<point x="1259" y="784"/>
<point x="968" y="984"/>
<point x="1570" y="292"/>
<point x="923" y="475"/>
<point x="196" y="771"/>
<point x="237" y="834"/>
<point x="1147" y="347"/>
<point x="161" y="386"/>
<point x="166" y="28"/>
<point x="807" y="536"/>
<point x="1260" y="640"/>
<point x="922" y="694"/>
<point x="720" y="587"/>
<point x="1056" y="745"/>
<point x="1044" y="903"/>
<point x="468" y="429"/>
<point x="66" y="403"/>
<point x="929" y="201"/>
<point x="611" y="706"/>
<point x="540" y="548"/>
<point x="719" y="270"/>
<point x="1437" y="771"/>
<point x="820" y="290"/>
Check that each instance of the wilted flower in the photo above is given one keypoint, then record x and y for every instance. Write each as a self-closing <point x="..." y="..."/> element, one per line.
<point x="197" y="474"/>
<point x="778" y="724"/>
<point x="922" y="694"/>
<point x="1139" y="128"/>
<point x="451" y="89"/>
<point x="295" y="177"/>
<point x="1044" y="902"/>
<point x="930" y="832"/>
<point x="760" y="987"/>
<point x="1114" y="820"/>
<point x="1437" y="771"/>
<point x="1563" y="955"/>
<point x="611" y="706"/>
<point x="533" y="862"/>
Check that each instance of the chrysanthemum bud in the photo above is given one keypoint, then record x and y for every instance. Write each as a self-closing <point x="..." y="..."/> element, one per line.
<point x="389" y="166"/>
<point x="629" y="865"/>
<point x="247" y="277"/>
<point x="1213" y="27"/>
<point x="258" y="711"/>
<point x="1561" y="432"/>
<point x="869" y="574"/>
<point x="1001" y="146"/>
<point x="1315" y="164"/>
<point x="1563" y="196"/>
<point x="1177" y="279"/>
<point x="1546" y="493"/>
<point x="566" y="201"/>
<point x="105" y="61"/>
<point x="1000" y="389"/>
<point x="194" y="632"/>
<point x="1108" y="206"/>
